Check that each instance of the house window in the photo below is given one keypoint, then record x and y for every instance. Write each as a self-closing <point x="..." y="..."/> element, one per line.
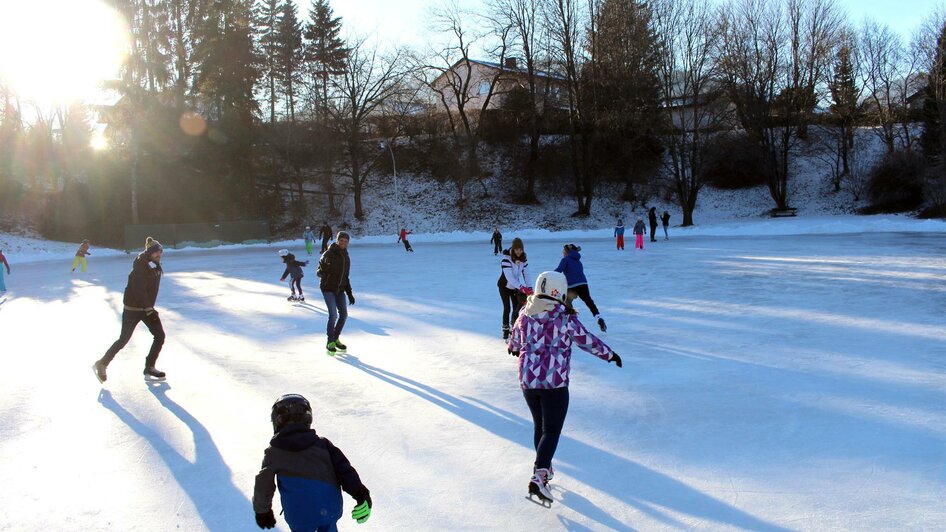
<point x="484" y="88"/>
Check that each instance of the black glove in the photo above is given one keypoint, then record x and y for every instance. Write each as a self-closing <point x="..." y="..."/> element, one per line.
<point x="267" y="520"/>
<point x="351" y="299"/>
<point x="513" y="353"/>
<point x="363" y="495"/>
<point x="616" y="359"/>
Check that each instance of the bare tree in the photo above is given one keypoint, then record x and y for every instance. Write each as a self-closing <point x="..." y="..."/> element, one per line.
<point x="692" y="106"/>
<point x="773" y="56"/>
<point x="360" y="91"/>
<point x="464" y="89"/>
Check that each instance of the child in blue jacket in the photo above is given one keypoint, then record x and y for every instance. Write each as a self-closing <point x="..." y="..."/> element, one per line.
<point x="294" y="271"/>
<point x="309" y="471"/>
<point x="574" y="272"/>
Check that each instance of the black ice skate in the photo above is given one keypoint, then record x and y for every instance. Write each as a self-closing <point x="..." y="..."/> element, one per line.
<point x="152" y="374"/>
<point x="99" y="369"/>
<point x="505" y="332"/>
<point x="340" y="347"/>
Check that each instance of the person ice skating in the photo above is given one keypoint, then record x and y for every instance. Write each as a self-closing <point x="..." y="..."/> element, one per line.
<point x="294" y="272"/>
<point x="141" y="292"/>
<point x="309" y="237"/>
<point x="402" y="237"/>
<point x="574" y="271"/>
<point x="326" y="232"/>
<point x="81" y="253"/>
<point x="513" y="283"/>
<point x="665" y="220"/>
<point x="652" y="218"/>
<point x="619" y="233"/>
<point x="542" y="338"/>
<point x="3" y="260"/>
<point x="497" y="241"/>
<point x="639" y="230"/>
<point x="334" y="267"/>
<point x="309" y="471"/>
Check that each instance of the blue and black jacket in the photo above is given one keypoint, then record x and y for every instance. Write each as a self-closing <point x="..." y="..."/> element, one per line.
<point x="310" y="473"/>
<point x="571" y="266"/>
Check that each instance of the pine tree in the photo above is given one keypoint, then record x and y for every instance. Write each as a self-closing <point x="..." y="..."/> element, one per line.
<point x="289" y="54"/>
<point x="325" y="52"/>
<point x="845" y="106"/>
<point x="933" y="138"/>
<point x="266" y="24"/>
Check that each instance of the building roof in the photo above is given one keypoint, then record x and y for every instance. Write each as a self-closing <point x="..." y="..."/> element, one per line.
<point x="539" y="73"/>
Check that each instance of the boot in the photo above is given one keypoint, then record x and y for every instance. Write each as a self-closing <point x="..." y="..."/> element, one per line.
<point x="539" y="486"/>
<point x="505" y="332"/>
<point x="152" y="372"/>
<point x="99" y="369"/>
<point x="602" y="325"/>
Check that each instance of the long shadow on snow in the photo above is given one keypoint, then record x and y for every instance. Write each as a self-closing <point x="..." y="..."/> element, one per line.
<point x="650" y="488"/>
<point x="208" y="480"/>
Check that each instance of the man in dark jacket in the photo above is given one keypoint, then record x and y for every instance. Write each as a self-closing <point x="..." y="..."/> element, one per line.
<point x="326" y="233"/>
<point x="652" y="218"/>
<point x="144" y="280"/>
<point x="333" y="274"/>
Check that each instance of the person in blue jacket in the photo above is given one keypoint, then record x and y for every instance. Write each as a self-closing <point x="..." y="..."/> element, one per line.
<point x="574" y="272"/>
<point x="309" y="237"/>
<point x="309" y="471"/>
<point x="619" y="233"/>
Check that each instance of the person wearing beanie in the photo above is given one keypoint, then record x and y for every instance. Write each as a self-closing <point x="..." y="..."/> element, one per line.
<point x="514" y="283"/>
<point x="619" y="233"/>
<point x="309" y="471"/>
<point x="141" y="293"/>
<point x="81" y="253"/>
<point x="333" y="270"/>
<point x="652" y="218"/>
<point x="402" y="237"/>
<point x="665" y="220"/>
<point x="574" y="271"/>
<point x="309" y="237"/>
<point x="3" y="260"/>
<point x="497" y="241"/>
<point x="326" y="232"/>
<point x="542" y="338"/>
<point x="294" y="272"/>
<point x="639" y="229"/>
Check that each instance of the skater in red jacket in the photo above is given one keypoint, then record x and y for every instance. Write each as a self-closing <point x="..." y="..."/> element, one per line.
<point x="403" y="238"/>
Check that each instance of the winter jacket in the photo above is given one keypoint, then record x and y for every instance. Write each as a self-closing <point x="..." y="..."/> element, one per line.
<point x="403" y="235"/>
<point x="310" y="473"/>
<point x="619" y="230"/>
<point x="574" y="271"/>
<point x="3" y="260"/>
<point x="308" y="236"/>
<point x="83" y="250"/>
<point x="652" y="216"/>
<point x="144" y="280"/>
<point x="544" y="343"/>
<point x="640" y="228"/>
<point x="293" y="267"/>
<point x="665" y="218"/>
<point x="497" y="238"/>
<point x="333" y="270"/>
<point x="326" y="232"/>
<point x="515" y="273"/>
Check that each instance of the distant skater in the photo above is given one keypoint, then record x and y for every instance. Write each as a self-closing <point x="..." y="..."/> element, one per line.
<point x="326" y="232"/>
<point x="652" y="218"/>
<point x="574" y="271"/>
<point x="309" y="237"/>
<point x="3" y="260"/>
<point x="497" y="241"/>
<point x="81" y="253"/>
<point x="543" y="338"/>
<point x="294" y="272"/>
<point x="144" y="280"/>
<point x="619" y="234"/>
<point x="639" y="230"/>
<point x="403" y="238"/>
<point x="665" y="220"/>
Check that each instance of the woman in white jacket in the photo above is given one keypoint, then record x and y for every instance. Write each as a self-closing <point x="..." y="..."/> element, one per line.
<point x="514" y="282"/>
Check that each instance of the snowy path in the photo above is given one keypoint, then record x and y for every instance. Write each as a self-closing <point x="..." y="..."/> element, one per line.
<point x="769" y="383"/>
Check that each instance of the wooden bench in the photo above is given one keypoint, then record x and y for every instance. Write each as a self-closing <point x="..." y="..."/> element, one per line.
<point x="787" y="211"/>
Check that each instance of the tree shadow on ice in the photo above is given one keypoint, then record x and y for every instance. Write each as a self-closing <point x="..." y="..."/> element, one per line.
<point x="647" y="489"/>
<point x="207" y="480"/>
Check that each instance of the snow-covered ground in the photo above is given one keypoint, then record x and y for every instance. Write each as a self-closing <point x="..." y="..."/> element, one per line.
<point x="786" y="382"/>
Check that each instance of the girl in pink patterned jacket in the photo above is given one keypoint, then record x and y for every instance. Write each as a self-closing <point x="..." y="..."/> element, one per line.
<point x="542" y="338"/>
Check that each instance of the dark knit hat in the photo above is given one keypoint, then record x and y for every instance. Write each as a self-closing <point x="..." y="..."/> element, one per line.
<point x="152" y="246"/>
<point x="341" y="235"/>
<point x="572" y="247"/>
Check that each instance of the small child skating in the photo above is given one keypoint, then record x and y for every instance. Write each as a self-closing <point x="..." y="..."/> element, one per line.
<point x="309" y="471"/>
<point x="81" y="253"/>
<point x="403" y="238"/>
<point x="294" y="271"/>
<point x="619" y="233"/>
<point x="309" y="237"/>
<point x="639" y="230"/>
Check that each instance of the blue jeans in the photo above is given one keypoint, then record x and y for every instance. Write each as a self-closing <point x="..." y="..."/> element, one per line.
<point x="337" y="306"/>
<point x="548" y="408"/>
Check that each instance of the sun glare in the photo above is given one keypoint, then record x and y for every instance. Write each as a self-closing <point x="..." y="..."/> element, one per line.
<point x="59" y="51"/>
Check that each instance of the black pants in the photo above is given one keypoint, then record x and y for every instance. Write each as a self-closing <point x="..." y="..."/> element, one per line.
<point x="581" y="291"/>
<point x="324" y="244"/>
<point x="407" y="245"/>
<point x="295" y="283"/>
<point x="653" y="232"/>
<point x="497" y="247"/>
<point x="548" y="408"/>
<point x="130" y="319"/>
<point x="512" y="302"/>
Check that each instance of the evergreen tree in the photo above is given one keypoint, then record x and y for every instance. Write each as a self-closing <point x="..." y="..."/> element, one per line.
<point x="325" y="52"/>
<point x="845" y="108"/>
<point x="289" y="54"/>
<point x="267" y="38"/>
<point x="933" y="139"/>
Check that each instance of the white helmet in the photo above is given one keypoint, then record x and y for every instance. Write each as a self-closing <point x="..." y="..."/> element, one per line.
<point x="283" y="252"/>
<point x="552" y="284"/>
